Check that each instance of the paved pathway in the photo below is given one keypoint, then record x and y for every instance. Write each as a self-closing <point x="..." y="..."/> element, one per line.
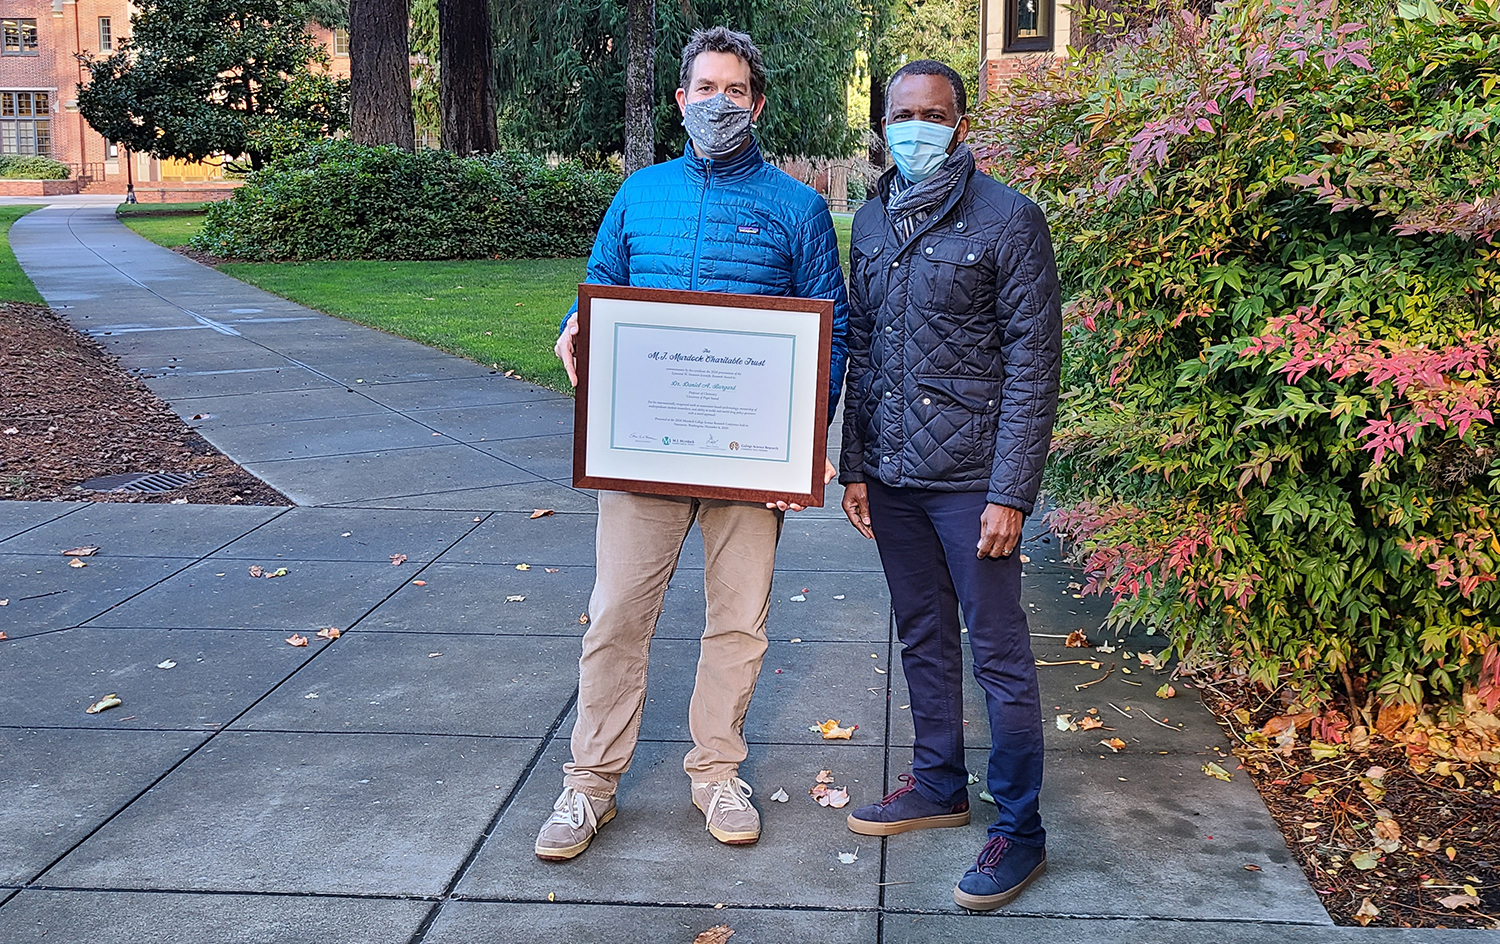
<point x="386" y="787"/>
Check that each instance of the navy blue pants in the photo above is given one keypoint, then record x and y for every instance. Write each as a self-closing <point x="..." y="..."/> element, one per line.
<point x="928" y="542"/>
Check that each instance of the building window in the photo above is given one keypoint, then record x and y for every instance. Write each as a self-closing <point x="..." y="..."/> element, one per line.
<point x="19" y="37"/>
<point x="25" y="123"/>
<point x="1028" y="25"/>
<point x="111" y="150"/>
<point x="341" y="43"/>
<point x="106" y="35"/>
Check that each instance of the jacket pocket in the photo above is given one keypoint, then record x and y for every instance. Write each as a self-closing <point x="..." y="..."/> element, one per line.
<point x="947" y="275"/>
<point x="959" y="415"/>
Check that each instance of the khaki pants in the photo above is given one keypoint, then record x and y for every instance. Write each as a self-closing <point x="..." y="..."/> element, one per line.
<point x="639" y="540"/>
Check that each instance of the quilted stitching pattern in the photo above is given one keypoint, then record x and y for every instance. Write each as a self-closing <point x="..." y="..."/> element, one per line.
<point x="739" y="225"/>
<point x="955" y="340"/>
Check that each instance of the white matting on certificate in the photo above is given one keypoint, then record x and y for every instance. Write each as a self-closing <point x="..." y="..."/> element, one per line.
<point x="702" y="394"/>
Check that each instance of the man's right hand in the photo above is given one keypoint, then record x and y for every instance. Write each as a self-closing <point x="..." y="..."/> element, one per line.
<point x="857" y="507"/>
<point x="564" y="348"/>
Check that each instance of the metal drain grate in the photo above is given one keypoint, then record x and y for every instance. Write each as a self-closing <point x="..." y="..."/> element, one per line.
<point x="140" y="482"/>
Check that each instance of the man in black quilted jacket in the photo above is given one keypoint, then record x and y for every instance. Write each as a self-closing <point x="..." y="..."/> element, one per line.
<point x="954" y="335"/>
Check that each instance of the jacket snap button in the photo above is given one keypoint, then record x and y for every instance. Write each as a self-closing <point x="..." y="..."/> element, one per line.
<point x="887" y="329"/>
<point x="876" y="252"/>
<point x="928" y="250"/>
<point x="959" y="225"/>
<point x="971" y="257"/>
<point x="895" y="264"/>
<point x="992" y="403"/>
<point x="885" y="458"/>
<point x="887" y="394"/>
<point x="927" y="401"/>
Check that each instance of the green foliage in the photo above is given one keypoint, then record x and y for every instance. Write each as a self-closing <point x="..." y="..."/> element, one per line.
<point x="1276" y="228"/>
<point x="944" y="30"/>
<point x="341" y="200"/>
<point x="15" y="167"/>
<point x="200" y="78"/>
<point x="561" y="73"/>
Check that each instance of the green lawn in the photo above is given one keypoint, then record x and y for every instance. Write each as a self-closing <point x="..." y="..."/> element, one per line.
<point x="14" y="285"/>
<point x="170" y="231"/>
<point x="498" y="313"/>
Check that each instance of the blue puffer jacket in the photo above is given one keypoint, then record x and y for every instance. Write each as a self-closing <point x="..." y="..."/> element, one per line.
<point x="738" y="225"/>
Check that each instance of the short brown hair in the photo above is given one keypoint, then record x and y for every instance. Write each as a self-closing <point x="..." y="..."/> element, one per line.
<point x="722" y="39"/>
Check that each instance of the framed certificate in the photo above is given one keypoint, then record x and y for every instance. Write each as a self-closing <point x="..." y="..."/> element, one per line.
<point x="702" y="394"/>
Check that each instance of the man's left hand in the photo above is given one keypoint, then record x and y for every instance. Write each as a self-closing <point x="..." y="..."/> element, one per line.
<point x="828" y="473"/>
<point x="999" y="530"/>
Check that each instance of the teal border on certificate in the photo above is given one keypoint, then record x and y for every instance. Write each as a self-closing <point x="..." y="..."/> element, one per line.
<point x="614" y="393"/>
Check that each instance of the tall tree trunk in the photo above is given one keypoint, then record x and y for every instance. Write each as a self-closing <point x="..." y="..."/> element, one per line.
<point x="640" y="84"/>
<point x="878" y="78"/>
<point x="466" y="77"/>
<point x="380" y="73"/>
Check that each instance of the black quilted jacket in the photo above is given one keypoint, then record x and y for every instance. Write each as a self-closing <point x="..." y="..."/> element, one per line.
<point x="954" y="346"/>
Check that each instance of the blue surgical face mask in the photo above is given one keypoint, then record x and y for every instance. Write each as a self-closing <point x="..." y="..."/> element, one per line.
<point x="918" y="147"/>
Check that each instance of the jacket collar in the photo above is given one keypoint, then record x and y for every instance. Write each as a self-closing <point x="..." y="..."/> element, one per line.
<point x="739" y="167"/>
<point x="883" y="190"/>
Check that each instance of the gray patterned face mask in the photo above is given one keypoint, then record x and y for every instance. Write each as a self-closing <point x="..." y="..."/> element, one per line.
<point x="717" y="125"/>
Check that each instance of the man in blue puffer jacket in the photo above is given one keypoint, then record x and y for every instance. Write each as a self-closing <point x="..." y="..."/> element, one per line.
<point x="719" y="219"/>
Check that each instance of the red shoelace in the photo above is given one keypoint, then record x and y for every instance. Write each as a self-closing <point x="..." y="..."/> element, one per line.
<point x="993" y="851"/>
<point x="911" y="784"/>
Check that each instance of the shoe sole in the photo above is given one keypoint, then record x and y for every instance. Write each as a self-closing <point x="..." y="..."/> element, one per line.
<point x="990" y="902"/>
<point x="563" y="853"/>
<point x="868" y="828"/>
<point x="728" y="838"/>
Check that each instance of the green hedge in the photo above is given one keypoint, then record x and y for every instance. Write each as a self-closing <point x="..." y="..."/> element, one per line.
<point x="341" y="200"/>
<point x="13" y="167"/>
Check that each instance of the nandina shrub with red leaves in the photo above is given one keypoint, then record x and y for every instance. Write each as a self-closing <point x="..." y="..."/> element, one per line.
<point x="1277" y="231"/>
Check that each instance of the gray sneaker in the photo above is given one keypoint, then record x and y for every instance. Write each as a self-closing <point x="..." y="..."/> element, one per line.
<point x="575" y="818"/>
<point x="726" y="808"/>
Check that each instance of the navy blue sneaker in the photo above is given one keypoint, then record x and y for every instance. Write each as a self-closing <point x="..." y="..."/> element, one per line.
<point x="1001" y="874"/>
<point x="906" y="809"/>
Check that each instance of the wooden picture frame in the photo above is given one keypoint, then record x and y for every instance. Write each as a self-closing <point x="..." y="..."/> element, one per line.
<point x="684" y="393"/>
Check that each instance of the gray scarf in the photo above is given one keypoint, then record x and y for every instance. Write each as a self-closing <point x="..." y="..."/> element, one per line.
<point x="910" y="205"/>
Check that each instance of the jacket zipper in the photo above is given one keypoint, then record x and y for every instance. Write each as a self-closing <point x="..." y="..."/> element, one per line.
<point x="708" y="179"/>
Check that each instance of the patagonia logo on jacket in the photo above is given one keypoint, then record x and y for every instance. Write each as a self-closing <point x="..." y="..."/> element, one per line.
<point x="752" y="230"/>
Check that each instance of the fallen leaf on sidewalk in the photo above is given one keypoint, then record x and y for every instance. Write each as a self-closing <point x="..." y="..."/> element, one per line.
<point x="780" y="796"/>
<point x="1077" y="639"/>
<point x="799" y="598"/>
<point x="257" y="571"/>
<point x="1089" y="724"/>
<point x="397" y="560"/>
<point x="1104" y="647"/>
<point x="849" y="858"/>
<point x="296" y="639"/>
<point x="541" y="513"/>
<point x="550" y="570"/>
<point x="75" y="562"/>
<point x="331" y="632"/>
<point x="419" y="583"/>
<point x="717" y="934"/>
<point x="1217" y="772"/>
<point x="832" y="732"/>
<point x="1114" y="744"/>
<point x="1458" y="901"/>
<point x="1166" y="691"/>
<point x="169" y="664"/>
<point x="825" y="776"/>
<point x="515" y="598"/>
<point x="2" y="634"/>
<point x="1252" y="867"/>
<point x="1367" y="912"/>
<point x="523" y="567"/>
<point x="837" y="798"/>
<point x="88" y="550"/>
<point x="1066" y="723"/>
<point x="583" y="619"/>
<point x="103" y="704"/>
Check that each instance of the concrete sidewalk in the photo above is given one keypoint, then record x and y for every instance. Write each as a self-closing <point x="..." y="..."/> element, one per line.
<point x="387" y="786"/>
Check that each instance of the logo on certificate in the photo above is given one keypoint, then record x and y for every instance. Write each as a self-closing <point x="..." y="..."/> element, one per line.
<point x="734" y="446"/>
<point x="666" y="440"/>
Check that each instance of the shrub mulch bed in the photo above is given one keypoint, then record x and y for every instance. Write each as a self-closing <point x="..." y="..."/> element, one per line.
<point x="69" y="413"/>
<point x="1394" y="815"/>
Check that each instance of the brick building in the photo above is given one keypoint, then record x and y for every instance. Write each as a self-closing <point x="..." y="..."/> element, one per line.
<point x="1014" y="33"/>
<point x="40" y="41"/>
